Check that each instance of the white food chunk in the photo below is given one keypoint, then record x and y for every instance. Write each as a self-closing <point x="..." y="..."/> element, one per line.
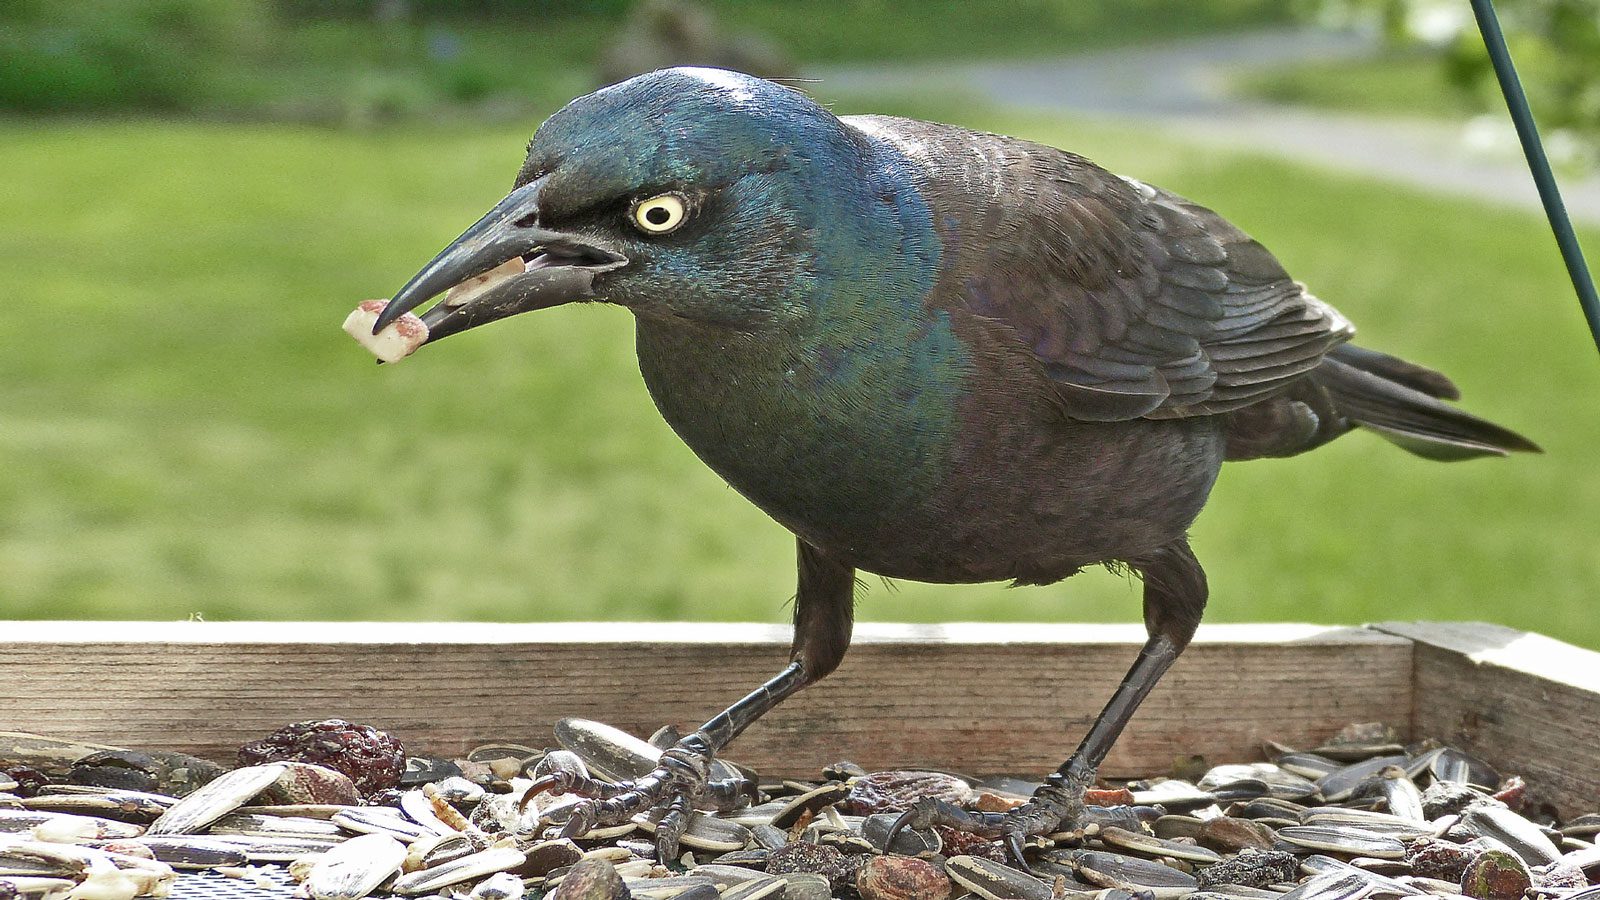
<point x="398" y="340"/>
<point x="478" y="285"/>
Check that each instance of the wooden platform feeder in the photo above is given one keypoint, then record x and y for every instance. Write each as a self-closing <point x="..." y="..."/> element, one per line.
<point x="975" y="698"/>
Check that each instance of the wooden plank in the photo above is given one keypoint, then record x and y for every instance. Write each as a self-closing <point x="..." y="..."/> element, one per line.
<point x="1526" y="703"/>
<point x="978" y="698"/>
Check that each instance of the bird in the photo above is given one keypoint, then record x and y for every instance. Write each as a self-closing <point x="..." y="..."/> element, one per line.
<point x="930" y="353"/>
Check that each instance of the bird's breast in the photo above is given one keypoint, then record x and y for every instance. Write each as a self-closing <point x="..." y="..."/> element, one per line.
<point x="843" y="442"/>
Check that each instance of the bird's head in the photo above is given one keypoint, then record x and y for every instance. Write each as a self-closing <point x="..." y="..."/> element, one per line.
<point x="701" y="194"/>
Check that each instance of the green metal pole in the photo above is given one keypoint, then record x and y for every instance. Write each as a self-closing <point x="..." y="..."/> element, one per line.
<point x="1495" y="40"/>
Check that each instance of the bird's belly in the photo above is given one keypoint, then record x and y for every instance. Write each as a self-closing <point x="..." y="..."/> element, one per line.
<point x="1034" y="509"/>
<point x="997" y="489"/>
<point x="1038" y="504"/>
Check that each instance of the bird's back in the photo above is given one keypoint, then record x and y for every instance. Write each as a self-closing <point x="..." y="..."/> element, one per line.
<point x="1135" y="302"/>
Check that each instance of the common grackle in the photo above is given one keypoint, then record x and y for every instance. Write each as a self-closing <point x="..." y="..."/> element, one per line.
<point x="931" y="353"/>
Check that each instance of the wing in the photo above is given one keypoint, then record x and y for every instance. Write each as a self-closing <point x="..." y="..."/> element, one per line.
<point x="1136" y="302"/>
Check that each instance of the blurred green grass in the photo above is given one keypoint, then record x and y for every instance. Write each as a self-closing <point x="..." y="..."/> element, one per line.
<point x="184" y="429"/>
<point x="1405" y="83"/>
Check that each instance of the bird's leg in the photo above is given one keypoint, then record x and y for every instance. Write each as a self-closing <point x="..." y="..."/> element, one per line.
<point x="822" y="625"/>
<point x="1174" y="598"/>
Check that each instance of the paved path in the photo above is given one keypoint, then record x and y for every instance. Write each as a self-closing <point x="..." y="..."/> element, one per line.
<point x="1180" y="88"/>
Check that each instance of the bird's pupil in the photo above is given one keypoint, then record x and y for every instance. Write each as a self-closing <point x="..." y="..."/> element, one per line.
<point x="657" y="215"/>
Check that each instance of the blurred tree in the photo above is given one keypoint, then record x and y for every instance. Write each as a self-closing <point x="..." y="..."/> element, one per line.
<point x="102" y="54"/>
<point x="1556" y="44"/>
<point x="436" y="9"/>
<point x="662" y="33"/>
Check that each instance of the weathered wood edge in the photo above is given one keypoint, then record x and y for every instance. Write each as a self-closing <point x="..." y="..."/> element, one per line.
<point x="976" y="698"/>
<point x="496" y="633"/>
<point x="1530" y="704"/>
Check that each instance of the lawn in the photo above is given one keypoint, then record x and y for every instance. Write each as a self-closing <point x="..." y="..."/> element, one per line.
<point x="184" y="429"/>
<point x="1396" y="83"/>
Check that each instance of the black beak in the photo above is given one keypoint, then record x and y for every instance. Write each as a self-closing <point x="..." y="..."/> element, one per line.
<point x="503" y="265"/>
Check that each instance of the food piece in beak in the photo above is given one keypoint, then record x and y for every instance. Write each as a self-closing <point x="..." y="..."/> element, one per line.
<point x="505" y="264"/>
<point x="395" y="341"/>
<point x="478" y="285"/>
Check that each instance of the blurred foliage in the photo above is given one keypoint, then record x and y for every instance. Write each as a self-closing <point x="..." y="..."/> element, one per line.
<point x="108" y="54"/>
<point x="1556" y="45"/>
<point x="363" y="62"/>
<point x="660" y="33"/>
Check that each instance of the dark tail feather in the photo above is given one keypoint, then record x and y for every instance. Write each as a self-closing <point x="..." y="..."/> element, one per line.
<point x="1400" y="401"/>
<point x="1413" y="376"/>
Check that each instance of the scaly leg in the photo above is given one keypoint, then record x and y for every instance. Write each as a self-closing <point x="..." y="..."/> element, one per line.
<point x="823" y="616"/>
<point x="1174" y="598"/>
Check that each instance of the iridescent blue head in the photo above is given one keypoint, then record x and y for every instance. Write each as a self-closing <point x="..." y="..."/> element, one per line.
<point x="700" y="194"/>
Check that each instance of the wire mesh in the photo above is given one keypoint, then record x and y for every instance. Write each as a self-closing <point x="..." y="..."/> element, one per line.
<point x="261" y="883"/>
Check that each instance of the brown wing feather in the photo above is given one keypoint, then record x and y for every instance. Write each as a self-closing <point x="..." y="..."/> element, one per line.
<point x="1136" y="302"/>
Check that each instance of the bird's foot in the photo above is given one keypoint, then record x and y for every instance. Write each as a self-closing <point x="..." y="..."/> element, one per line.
<point x="1057" y="805"/>
<point x="679" y="784"/>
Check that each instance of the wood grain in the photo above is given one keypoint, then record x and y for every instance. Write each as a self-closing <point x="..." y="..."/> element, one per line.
<point x="976" y="698"/>
<point x="1524" y="702"/>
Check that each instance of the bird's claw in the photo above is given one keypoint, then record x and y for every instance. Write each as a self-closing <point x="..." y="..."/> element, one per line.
<point x="1055" y="805"/>
<point x="676" y="786"/>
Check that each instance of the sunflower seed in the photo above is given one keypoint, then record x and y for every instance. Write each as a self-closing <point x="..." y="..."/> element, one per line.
<point x="134" y="806"/>
<point x="1127" y="873"/>
<point x="1174" y="794"/>
<point x="263" y="848"/>
<point x="809" y="802"/>
<point x="1341" y="783"/>
<point x="755" y="889"/>
<point x="1400" y="793"/>
<point x="1277" y="781"/>
<point x="380" y="820"/>
<point x="288" y="826"/>
<point x="296" y="810"/>
<point x="992" y="881"/>
<point x="418" y="807"/>
<point x="1154" y="847"/>
<point x="1308" y="765"/>
<point x="356" y="867"/>
<point x="771" y="837"/>
<point x="1450" y="764"/>
<point x="1343" y="839"/>
<point x="805" y="886"/>
<point x="1524" y="838"/>
<point x="1382" y="884"/>
<point x="221" y="796"/>
<point x="65" y="826"/>
<point x="610" y="753"/>
<point x="192" y="851"/>
<point x="1331" y="886"/>
<point x="466" y="868"/>
<point x="909" y="842"/>
<point x="499" y="886"/>
<point x="760" y="814"/>
<point x="666" y="888"/>
<point x="704" y="832"/>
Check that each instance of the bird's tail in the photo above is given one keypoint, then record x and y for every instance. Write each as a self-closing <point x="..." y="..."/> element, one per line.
<point x="1404" y="403"/>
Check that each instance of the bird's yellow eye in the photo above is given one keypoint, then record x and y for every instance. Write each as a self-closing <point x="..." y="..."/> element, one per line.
<point x="659" y="214"/>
